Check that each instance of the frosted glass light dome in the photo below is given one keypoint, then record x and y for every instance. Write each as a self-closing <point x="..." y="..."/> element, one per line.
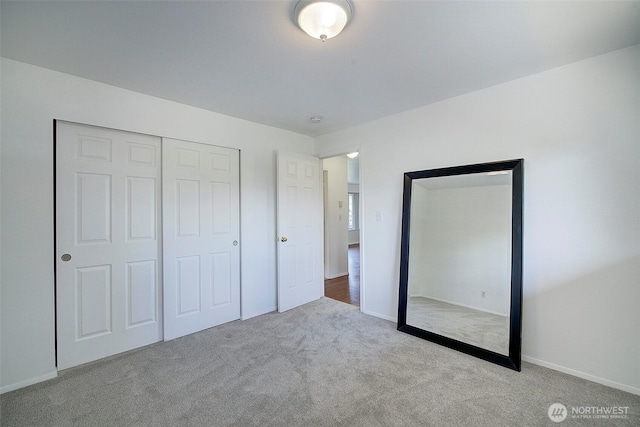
<point x="322" y="19"/>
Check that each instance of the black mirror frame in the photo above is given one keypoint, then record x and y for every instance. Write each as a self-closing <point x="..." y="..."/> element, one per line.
<point x="513" y="360"/>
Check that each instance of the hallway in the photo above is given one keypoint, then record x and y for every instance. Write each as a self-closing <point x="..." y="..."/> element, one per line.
<point x="346" y="288"/>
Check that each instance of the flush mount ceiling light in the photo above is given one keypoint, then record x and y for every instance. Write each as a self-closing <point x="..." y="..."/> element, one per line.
<point x="322" y="19"/>
<point x="353" y="155"/>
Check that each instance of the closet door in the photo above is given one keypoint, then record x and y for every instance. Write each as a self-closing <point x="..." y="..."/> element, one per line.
<point x="201" y="252"/>
<point x="107" y="242"/>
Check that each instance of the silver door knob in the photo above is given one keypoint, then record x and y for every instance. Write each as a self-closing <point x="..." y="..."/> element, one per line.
<point x="66" y="257"/>
<point x="235" y="243"/>
<point x="283" y="239"/>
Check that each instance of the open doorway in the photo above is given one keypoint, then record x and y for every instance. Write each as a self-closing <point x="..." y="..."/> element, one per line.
<point x="342" y="228"/>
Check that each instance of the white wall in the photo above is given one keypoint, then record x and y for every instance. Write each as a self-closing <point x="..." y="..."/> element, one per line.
<point x="353" y="237"/>
<point x="353" y="172"/>
<point x="336" y="220"/>
<point x="417" y="245"/>
<point x="32" y="98"/>
<point x="578" y="129"/>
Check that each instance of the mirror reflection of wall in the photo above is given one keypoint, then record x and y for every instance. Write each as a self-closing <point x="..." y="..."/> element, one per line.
<point x="460" y="251"/>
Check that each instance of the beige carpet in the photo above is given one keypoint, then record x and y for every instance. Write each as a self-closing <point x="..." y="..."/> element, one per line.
<point x="323" y="364"/>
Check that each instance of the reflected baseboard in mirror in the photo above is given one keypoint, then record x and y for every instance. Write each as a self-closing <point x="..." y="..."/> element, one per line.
<point x="461" y="259"/>
<point x="476" y="327"/>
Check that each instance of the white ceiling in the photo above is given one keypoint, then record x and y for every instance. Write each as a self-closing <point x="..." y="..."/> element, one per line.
<point x="247" y="59"/>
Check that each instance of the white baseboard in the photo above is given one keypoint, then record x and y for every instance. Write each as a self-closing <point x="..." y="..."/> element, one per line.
<point x="28" y="382"/>
<point x="333" y="276"/>
<point x="464" y="305"/>
<point x="583" y="375"/>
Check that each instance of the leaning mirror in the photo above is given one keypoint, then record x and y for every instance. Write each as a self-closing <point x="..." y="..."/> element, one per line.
<point x="461" y="259"/>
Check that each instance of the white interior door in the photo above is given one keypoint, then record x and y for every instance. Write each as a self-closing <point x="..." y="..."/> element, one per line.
<point x="201" y="236"/>
<point x="300" y="241"/>
<point x="107" y="242"/>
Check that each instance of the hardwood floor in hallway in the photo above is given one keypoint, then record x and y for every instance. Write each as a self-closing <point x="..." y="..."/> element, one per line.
<point x="346" y="288"/>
